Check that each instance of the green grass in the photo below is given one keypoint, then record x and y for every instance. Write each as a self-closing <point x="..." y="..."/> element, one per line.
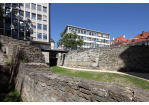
<point x="124" y="80"/>
<point x="8" y="94"/>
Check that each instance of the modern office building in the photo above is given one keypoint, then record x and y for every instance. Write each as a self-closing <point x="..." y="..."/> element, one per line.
<point x="28" y="21"/>
<point x="91" y="38"/>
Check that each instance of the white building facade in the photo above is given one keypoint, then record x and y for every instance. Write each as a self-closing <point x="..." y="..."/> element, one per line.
<point x="27" y="21"/>
<point x="91" y="38"/>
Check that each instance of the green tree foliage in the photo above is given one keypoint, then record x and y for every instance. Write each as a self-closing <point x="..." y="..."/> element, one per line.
<point x="69" y="40"/>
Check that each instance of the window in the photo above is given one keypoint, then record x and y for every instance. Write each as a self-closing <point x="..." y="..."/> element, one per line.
<point x="34" y="25"/>
<point x="27" y="14"/>
<point x="78" y="31"/>
<point x="69" y="29"/>
<point x="97" y="40"/>
<point x="39" y="7"/>
<point x="21" y="23"/>
<point x="14" y="12"/>
<point x="81" y="31"/>
<point x="44" y="36"/>
<point x="89" y="39"/>
<point x="78" y="37"/>
<point x="84" y="38"/>
<point x="15" y="22"/>
<point x="39" y="17"/>
<point x="73" y="30"/>
<point x="39" y="26"/>
<point x="44" y="18"/>
<point x="99" y="35"/>
<point x="81" y="37"/>
<point x="21" y="4"/>
<point x="44" y="27"/>
<point x="14" y="32"/>
<point x="22" y="13"/>
<point x="39" y="35"/>
<point x="89" y="33"/>
<point x="33" y="6"/>
<point x="33" y="16"/>
<point x="7" y="10"/>
<point x="84" y="32"/>
<point x="27" y="5"/>
<point x="44" y="9"/>
<point x="94" y="34"/>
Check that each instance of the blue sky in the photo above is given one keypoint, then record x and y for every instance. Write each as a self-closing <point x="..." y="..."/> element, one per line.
<point x="113" y="18"/>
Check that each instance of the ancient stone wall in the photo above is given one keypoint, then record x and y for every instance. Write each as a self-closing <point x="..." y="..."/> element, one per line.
<point x="37" y="83"/>
<point x="133" y="58"/>
<point x="9" y="46"/>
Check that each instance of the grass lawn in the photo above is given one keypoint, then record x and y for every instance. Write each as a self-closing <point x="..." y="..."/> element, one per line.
<point x="124" y="80"/>
<point x="8" y="94"/>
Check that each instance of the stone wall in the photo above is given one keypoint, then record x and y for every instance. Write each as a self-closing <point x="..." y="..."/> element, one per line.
<point x="9" y="46"/>
<point x="133" y="58"/>
<point x="37" y="83"/>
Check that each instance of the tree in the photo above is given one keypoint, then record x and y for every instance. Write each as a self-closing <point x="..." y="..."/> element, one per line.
<point x="69" y="40"/>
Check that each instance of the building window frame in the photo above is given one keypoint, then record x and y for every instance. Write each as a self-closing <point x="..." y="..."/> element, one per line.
<point x="33" y="6"/>
<point x="27" y="5"/>
<point x="40" y="35"/>
<point x="39" y="26"/>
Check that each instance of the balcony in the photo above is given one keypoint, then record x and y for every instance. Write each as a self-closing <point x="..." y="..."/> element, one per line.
<point x="21" y="28"/>
<point x="8" y="4"/>
<point x="8" y="26"/>
<point x="7" y="15"/>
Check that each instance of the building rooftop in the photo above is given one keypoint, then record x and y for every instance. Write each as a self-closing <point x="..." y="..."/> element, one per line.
<point x="85" y="29"/>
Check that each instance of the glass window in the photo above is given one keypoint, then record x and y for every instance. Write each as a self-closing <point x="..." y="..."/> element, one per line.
<point x="78" y="31"/>
<point x="33" y="25"/>
<point x="89" y="33"/>
<point x="39" y="7"/>
<point x="44" y="9"/>
<point x="69" y="29"/>
<point x="39" y="26"/>
<point x="89" y="39"/>
<point x="81" y="37"/>
<point x="33" y="16"/>
<point x="44" y="36"/>
<point x="33" y="6"/>
<point x="72" y="29"/>
<point x="94" y="39"/>
<point x="21" y="23"/>
<point x="14" y="32"/>
<point x="44" y="18"/>
<point x="81" y="31"/>
<point x="99" y="35"/>
<point x="92" y="33"/>
<point x="78" y="37"/>
<point x="8" y="10"/>
<point x="97" y="40"/>
<point x="84" y="38"/>
<point x="21" y="4"/>
<point x="45" y="27"/>
<point x="27" y="5"/>
<point x="15" y="22"/>
<point x="39" y="35"/>
<point x="27" y="14"/>
<point x="14" y="11"/>
<point x="39" y="17"/>
<point x="84" y="32"/>
<point x="22" y="13"/>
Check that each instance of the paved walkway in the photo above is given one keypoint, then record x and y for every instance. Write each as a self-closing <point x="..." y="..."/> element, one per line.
<point x="144" y="76"/>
